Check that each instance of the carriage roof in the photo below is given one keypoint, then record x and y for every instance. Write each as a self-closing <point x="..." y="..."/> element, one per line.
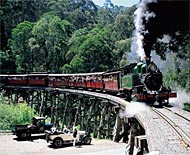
<point x="76" y="74"/>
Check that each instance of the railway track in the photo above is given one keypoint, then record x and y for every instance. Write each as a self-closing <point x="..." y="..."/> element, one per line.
<point x="179" y="123"/>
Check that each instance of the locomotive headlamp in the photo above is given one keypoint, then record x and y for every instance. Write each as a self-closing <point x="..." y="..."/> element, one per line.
<point x="152" y="67"/>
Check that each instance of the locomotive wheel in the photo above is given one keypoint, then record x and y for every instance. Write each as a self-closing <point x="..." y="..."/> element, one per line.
<point x="160" y="103"/>
<point x="165" y="103"/>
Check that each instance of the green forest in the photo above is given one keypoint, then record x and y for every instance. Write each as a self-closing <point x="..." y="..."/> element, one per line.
<point x="77" y="36"/>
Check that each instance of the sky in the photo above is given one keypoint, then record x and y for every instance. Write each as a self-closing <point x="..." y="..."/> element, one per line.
<point x="127" y="3"/>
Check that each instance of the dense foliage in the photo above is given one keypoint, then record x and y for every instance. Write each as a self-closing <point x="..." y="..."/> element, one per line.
<point x="187" y="106"/>
<point x="13" y="114"/>
<point x="69" y="36"/>
<point x="58" y="36"/>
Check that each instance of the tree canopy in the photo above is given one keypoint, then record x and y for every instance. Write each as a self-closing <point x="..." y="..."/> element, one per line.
<point x="71" y="36"/>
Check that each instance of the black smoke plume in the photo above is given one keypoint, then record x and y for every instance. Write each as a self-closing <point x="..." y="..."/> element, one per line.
<point x="162" y="17"/>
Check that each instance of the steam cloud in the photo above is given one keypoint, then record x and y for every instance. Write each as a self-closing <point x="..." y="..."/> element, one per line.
<point x="182" y="97"/>
<point x="157" y="18"/>
<point x="132" y="109"/>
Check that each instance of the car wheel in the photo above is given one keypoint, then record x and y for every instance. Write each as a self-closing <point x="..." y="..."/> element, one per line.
<point x="22" y="135"/>
<point x="87" y="140"/>
<point x="58" y="142"/>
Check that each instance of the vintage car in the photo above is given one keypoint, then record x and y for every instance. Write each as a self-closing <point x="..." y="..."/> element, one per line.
<point x="59" y="138"/>
<point x="37" y="126"/>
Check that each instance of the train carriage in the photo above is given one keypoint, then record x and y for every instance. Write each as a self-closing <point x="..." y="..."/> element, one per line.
<point x="112" y="81"/>
<point x="58" y="80"/>
<point x="17" y="79"/>
<point x="37" y="79"/>
<point x="95" y="80"/>
<point x="78" y="80"/>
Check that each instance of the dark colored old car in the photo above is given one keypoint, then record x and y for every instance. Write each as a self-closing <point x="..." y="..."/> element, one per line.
<point x="37" y="126"/>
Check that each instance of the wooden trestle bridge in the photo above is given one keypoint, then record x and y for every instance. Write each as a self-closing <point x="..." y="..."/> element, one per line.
<point x="93" y="111"/>
<point x="102" y="115"/>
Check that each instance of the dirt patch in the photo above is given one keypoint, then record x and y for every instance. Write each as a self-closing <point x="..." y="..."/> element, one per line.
<point x="11" y="146"/>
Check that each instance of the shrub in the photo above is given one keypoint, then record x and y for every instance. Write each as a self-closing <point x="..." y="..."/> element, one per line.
<point x="13" y="114"/>
<point x="186" y="107"/>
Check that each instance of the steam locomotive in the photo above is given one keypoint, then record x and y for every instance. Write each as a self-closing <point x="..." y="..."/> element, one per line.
<point x="139" y="81"/>
<point x="146" y="84"/>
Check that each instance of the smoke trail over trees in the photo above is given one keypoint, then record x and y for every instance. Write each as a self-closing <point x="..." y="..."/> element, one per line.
<point x="156" y="18"/>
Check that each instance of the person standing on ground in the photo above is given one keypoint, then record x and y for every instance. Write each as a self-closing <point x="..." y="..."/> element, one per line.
<point x="74" y="135"/>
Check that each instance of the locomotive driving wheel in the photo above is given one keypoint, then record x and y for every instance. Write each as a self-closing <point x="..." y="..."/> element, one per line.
<point x="160" y="101"/>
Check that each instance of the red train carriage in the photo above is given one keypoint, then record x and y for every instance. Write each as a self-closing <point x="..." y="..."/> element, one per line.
<point x="58" y="80"/>
<point x="94" y="80"/>
<point x="83" y="80"/>
<point x="37" y="79"/>
<point x="112" y="81"/>
<point x="17" y="79"/>
<point x="77" y="80"/>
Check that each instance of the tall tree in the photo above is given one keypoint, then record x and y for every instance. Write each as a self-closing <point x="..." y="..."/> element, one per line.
<point x="19" y="46"/>
<point x="106" y="16"/>
<point x="124" y="23"/>
<point x="80" y="13"/>
<point x="13" y="12"/>
<point x="78" y="37"/>
<point x="121" y="48"/>
<point x="93" y="52"/>
<point x="49" y="42"/>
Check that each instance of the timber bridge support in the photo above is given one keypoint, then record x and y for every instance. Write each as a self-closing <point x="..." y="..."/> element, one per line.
<point x="94" y="112"/>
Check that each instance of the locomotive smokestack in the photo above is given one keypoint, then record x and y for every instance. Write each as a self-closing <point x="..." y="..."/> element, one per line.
<point x="148" y="59"/>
